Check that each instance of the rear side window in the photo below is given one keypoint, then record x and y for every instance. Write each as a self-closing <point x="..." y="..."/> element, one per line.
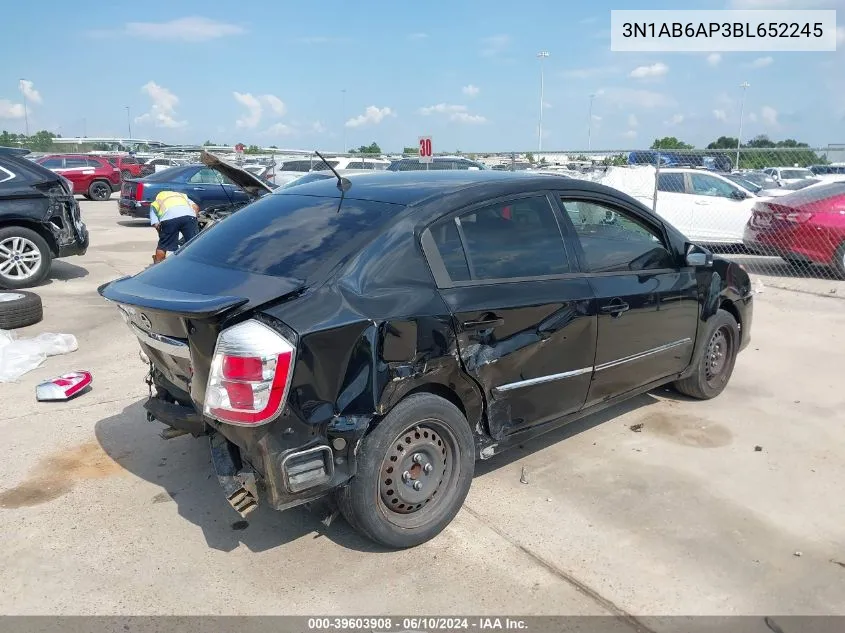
<point x="673" y="183"/>
<point x="508" y="240"/>
<point x="53" y="163"/>
<point x="95" y="162"/>
<point x="113" y="162"/>
<point x="76" y="162"/>
<point x="290" y="235"/>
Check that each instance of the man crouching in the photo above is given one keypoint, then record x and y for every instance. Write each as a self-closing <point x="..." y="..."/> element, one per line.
<point x="172" y="214"/>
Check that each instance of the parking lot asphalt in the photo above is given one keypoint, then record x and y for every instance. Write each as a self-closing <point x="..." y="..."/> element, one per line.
<point x="731" y="506"/>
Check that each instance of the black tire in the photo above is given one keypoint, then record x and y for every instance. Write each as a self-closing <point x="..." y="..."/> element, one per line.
<point x="797" y="264"/>
<point x="19" y="309"/>
<point x="379" y="504"/>
<point x="716" y="364"/>
<point x="99" y="190"/>
<point x="839" y="261"/>
<point x="9" y="233"/>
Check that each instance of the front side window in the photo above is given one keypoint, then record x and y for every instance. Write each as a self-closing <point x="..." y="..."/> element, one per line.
<point x="614" y="240"/>
<point x="704" y="185"/>
<point x="507" y="240"/>
<point x="53" y="163"/>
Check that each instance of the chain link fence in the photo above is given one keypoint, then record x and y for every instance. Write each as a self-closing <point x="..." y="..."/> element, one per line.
<point x="780" y="212"/>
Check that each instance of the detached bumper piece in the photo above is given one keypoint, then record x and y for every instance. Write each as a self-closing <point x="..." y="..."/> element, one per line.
<point x="237" y="479"/>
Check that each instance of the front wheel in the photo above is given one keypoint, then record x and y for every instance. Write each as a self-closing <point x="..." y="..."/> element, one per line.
<point x="716" y="365"/>
<point x="414" y="472"/>
<point x="99" y="190"/>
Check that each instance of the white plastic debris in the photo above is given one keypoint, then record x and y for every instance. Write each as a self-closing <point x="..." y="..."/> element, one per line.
<point x="757" y="287"/>
<point x="21" y="355"/>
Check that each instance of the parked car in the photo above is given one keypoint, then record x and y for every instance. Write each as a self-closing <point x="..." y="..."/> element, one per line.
<point x="807" y="226"/>
<point x="313" y="176"/>
<point x="92" y="176"/>
<point x="159" y="164"/>
<point x="337" y="338"/>
<point x="788" y="175"/>
<point x="351" y="162"/>
<point x="437" y="163"/>
<point x="209" y="188"/>
<point x="129" y="166"/>
<point x="670" y="158"/>
<point x="834" y="169"/>
<point x="759" y="178"/>
<point x="751" y="187"/>
<point x="40" y="220"/>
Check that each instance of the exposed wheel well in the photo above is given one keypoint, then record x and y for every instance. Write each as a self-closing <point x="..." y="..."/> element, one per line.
<point x="728" y="306"/>
<point x="443" y="391"/>
<point x="38" y="228"/>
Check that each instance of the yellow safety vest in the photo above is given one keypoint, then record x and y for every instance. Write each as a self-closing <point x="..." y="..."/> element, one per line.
<point x="166" y="200"/>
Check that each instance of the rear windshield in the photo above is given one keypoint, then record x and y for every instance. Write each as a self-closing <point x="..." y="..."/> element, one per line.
<point x="796" y="173"/>
<point x="813" y="194"/>
<point x="290" y="235"/>
<point x="167" y="175"/>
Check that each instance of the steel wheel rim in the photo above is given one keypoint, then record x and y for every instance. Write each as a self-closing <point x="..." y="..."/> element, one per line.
<point x="718" y="354"/>
<point x="428" y="453"/>
<point x="100" y="191"/>
<point x="20" y="258"/>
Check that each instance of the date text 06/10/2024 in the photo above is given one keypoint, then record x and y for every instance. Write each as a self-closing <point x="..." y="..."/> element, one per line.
<point x="416" y="624"/>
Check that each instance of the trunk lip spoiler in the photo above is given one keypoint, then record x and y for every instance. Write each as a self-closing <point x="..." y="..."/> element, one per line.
<point x="176" y="302"/>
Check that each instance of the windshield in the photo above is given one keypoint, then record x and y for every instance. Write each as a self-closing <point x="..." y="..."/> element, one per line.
<point x="763" y="180"/>
<point x="795" y="173"/>
<point x="742" y="182"/>
<point x="310" y="177"/>
<point x="290" y="235"/>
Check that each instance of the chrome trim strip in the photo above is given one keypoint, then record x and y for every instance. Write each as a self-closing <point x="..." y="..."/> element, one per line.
<point x="633" y="357"/>
<point x="538" y="381"/>
<point x="171" y="346"/>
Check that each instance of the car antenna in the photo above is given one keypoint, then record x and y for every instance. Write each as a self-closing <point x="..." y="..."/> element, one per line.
<point x="342" y="183"/>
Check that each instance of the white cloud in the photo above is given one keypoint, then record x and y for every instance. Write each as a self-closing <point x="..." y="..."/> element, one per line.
<point x="470" y="90"/>
<point x="318" y="128"/>
<point x="641" y="99"/>
<point x="280" y="129"/>
<point x="189" y="29"/>
<point x="372" y="115"/>
<point x="586" y="73"/>
<point x="493" y="45"/>
<point x="769" y="116"/>
<point x="630" y="134"/>
<point x="163" y="111"/>
<point x="714" y="58"/>
<point x="417" y="36"/>
<point x="9" y="110"/>
<point x="29" y="91"/>
<point x="466" y="117"/>
<point x="720" y="115"/>
<point x="676" y="119"/>
<point x="255" y="108"/>
<point x="632" y="121"/>
<point x="657" y="69"/>
<point x="761" y="62"/>
<point x="442" y="108"/>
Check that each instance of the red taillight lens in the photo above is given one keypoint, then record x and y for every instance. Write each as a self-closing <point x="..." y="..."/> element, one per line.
<point x="139" y="191"/>
<point x="250" y="375"/>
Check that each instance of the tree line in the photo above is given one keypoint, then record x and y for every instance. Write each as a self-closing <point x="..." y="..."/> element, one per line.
<point x="754" y="154"/>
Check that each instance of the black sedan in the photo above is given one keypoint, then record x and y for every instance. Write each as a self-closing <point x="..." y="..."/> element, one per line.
<point x="371" y="338"/>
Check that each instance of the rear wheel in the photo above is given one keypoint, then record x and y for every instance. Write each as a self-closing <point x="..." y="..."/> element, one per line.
<point x="839" y="261"/>
<point x="24" y="257"/>
<point x="797" y="264"/>
<point x="414" y="472"/>
<point x="99" y="190"/>
<point x="716" y="365"/>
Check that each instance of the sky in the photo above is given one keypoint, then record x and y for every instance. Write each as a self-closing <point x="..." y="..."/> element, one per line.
<point x="333" y="74"/>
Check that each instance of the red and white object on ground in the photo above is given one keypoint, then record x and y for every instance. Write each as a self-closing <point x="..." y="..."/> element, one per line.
<point x="63" y="387"/>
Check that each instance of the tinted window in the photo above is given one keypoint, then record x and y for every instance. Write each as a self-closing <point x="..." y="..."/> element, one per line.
<point x="289" y="235"/>
<point x="796" y="173"/>
<point x="112" y="161"/>
<point x="704" y="185"/>
<point x="671" y="182"/>
<point x="53" y="163"/>
<point x="451" y="250"/>
<point x="324" y="166"/>
<point x="129" y="161"/>
<point x="297" y="165"/>
<point x="615" y="240"/>
<point x="76" y="162"/>
<point x="206" y="176"/>
<point x="520" y="238"/>
<point x="359" y="165"/>
<point x="95" y="162"/>
<point x="172" y="174"/>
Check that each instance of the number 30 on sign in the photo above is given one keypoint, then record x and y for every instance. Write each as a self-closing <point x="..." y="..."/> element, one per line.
<point x="425" y="149"/>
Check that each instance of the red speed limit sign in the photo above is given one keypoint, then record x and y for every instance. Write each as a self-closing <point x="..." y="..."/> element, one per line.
<point x="425" y="149"/>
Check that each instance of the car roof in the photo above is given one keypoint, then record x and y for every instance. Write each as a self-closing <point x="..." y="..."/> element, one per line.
<point x="416" y="187"/>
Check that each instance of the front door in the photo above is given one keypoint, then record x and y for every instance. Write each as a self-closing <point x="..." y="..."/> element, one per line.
<point x="647" y="301"/>
<point x="525" y="320"/>
<point x="721" y="210"/>
<point x="673" y="203"/>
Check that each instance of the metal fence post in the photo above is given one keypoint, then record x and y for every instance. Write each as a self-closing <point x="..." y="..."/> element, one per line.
<point x="656" y="178"/>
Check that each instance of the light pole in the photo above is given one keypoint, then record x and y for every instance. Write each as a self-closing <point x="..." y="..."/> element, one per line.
<point x="590" y="123"/>
<point x="744" y="85"/>
<point x="541" y="56"/>
<point x="129" y="122"/>
<point x="343" y="115"/>
<point x="25" y="113"/>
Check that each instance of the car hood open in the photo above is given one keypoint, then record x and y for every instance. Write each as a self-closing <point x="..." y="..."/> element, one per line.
<point x="250" y="183"/>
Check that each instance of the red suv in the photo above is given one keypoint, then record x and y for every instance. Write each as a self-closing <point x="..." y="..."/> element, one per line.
<point x="804" y="227"/>
<point x="92" y="176"/>
<point x="129" y="166"/>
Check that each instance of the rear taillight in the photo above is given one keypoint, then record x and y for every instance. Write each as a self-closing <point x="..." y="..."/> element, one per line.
<point x="139" y="191"/>
<point x="250" y="375"/>
<point x="798" y="218"/>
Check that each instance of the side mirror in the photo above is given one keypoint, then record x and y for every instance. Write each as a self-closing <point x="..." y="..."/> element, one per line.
<point x="736" y="194"/>
<point x="698" y="256"/>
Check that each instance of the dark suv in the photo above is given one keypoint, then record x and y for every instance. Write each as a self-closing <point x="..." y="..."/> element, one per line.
<point x="39" y="220"/>
<point x="372" y="337"/>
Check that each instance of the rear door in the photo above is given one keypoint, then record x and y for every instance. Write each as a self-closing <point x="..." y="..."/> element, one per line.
<point x="524" y="316"/>
<point x="719" y="213"/>
<point x="205" y="187"/>
<point x="647" y="301"/>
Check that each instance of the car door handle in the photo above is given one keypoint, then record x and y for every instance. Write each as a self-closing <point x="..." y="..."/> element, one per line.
<point x="615" y="308"/>
<point x="199" y="188"/>
<point x="483" y="323"/>
<point x="702" y="202"/>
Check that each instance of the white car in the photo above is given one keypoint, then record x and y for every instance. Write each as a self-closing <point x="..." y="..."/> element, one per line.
<point x="789" y="175"/>
<point x="351" y="162"/>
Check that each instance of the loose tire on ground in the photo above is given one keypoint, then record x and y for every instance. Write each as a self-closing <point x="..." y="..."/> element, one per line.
<point x="426" y="442"/>
<point x="19" y="308"/>
<point x="30" y="242"/>
<point x="99" y="190"/>
<point x="716" y="364"/>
